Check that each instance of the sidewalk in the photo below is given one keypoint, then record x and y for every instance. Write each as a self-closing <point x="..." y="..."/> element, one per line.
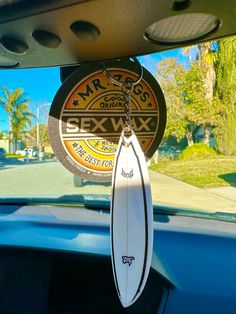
<point x="228" y="192"/>
<point x="169" y="191"/>
<point x="52" y="179"/>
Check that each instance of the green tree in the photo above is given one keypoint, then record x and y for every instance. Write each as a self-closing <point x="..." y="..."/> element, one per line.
<point x="171" y="75"/>
<point x="43" y="136"/>
<point x="205" y="56"/>
<point x="16" y="104"/>
<point x="225" y="133"/>
<point x="4" y="134"/>
<point x="200" y="109"/>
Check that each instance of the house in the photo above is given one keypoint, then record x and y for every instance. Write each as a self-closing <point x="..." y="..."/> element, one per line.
<point x="5" y="143"/>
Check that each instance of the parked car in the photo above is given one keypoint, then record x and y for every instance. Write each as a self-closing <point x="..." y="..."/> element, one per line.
<point x="2" y="153"/>
<point x="21" y="152"/>
<point x="30" y="152"/>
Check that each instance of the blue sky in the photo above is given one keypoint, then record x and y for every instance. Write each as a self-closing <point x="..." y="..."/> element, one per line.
<point x="39" y="84"/>
<point x="150" y="61"/>
<point x="42" y="84"/>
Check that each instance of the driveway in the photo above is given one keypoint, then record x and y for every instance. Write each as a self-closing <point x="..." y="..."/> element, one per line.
<point x="52" y="179"/>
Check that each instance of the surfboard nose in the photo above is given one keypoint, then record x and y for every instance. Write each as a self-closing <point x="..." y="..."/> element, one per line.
<point x="127" y="297"/>
<point x="125" y="303"/>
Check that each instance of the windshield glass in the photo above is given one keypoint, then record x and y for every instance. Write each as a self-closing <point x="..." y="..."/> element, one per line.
<point x="195" y="164"/>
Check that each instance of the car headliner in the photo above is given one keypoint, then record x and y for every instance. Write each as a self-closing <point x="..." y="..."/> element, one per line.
<point x="120" y="24"/>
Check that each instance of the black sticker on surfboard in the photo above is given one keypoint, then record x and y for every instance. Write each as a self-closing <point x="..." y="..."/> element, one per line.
<point x="87" y="117"/>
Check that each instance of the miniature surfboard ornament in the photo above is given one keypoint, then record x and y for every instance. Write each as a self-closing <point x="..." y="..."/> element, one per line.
<point x="131" y="220"/>
<point x="131" y="210"/>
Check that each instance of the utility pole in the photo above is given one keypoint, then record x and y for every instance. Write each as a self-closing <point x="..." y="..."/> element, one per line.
<point x="37" y="134"/>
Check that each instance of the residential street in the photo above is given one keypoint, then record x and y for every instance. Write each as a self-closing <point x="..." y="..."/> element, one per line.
<point x="50" y="178"/>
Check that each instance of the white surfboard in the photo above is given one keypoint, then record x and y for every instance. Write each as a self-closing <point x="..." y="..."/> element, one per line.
<point x="131" y="221"/>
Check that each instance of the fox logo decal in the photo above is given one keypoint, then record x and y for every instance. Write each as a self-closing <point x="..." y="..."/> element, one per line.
<point x="128" y="259"/>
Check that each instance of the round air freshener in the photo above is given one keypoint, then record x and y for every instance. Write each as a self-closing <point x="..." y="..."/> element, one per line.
<point x="87" y="116"/>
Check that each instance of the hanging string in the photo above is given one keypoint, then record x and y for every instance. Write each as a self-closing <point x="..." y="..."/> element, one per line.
<point x="127" y="96"/>
<point x="127" y="89"/>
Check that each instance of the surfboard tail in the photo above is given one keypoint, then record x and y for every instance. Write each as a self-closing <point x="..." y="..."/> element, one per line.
<point x="131" y="221"/>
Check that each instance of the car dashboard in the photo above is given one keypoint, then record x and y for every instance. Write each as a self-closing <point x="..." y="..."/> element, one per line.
<point x="56" y="259"/>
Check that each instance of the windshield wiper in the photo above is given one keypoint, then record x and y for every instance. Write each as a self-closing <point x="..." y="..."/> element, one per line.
<point x="169" y="210"/>
<point x="102" y="202"/>
<point x="77" y="199"/>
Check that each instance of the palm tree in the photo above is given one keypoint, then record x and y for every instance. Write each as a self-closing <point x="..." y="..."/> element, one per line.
<point x="16" y="104"/>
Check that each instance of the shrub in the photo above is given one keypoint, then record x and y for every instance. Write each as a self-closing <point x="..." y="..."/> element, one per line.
<point x="49" y="155"/>
<point x="14" y="156"/>
<point x="198" y="151"/>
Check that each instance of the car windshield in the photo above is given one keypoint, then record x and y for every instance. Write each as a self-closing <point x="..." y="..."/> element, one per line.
<point x="194" y="167"/>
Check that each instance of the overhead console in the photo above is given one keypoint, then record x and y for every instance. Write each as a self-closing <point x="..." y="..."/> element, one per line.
<point x="68" y="32"/>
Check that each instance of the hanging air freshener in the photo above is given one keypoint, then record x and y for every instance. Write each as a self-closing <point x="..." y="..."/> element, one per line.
<point x="131" y="208"/>
<point x="87" y="117"/>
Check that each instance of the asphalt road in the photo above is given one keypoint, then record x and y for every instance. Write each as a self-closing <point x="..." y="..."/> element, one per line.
<point x="50" y="178"/>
